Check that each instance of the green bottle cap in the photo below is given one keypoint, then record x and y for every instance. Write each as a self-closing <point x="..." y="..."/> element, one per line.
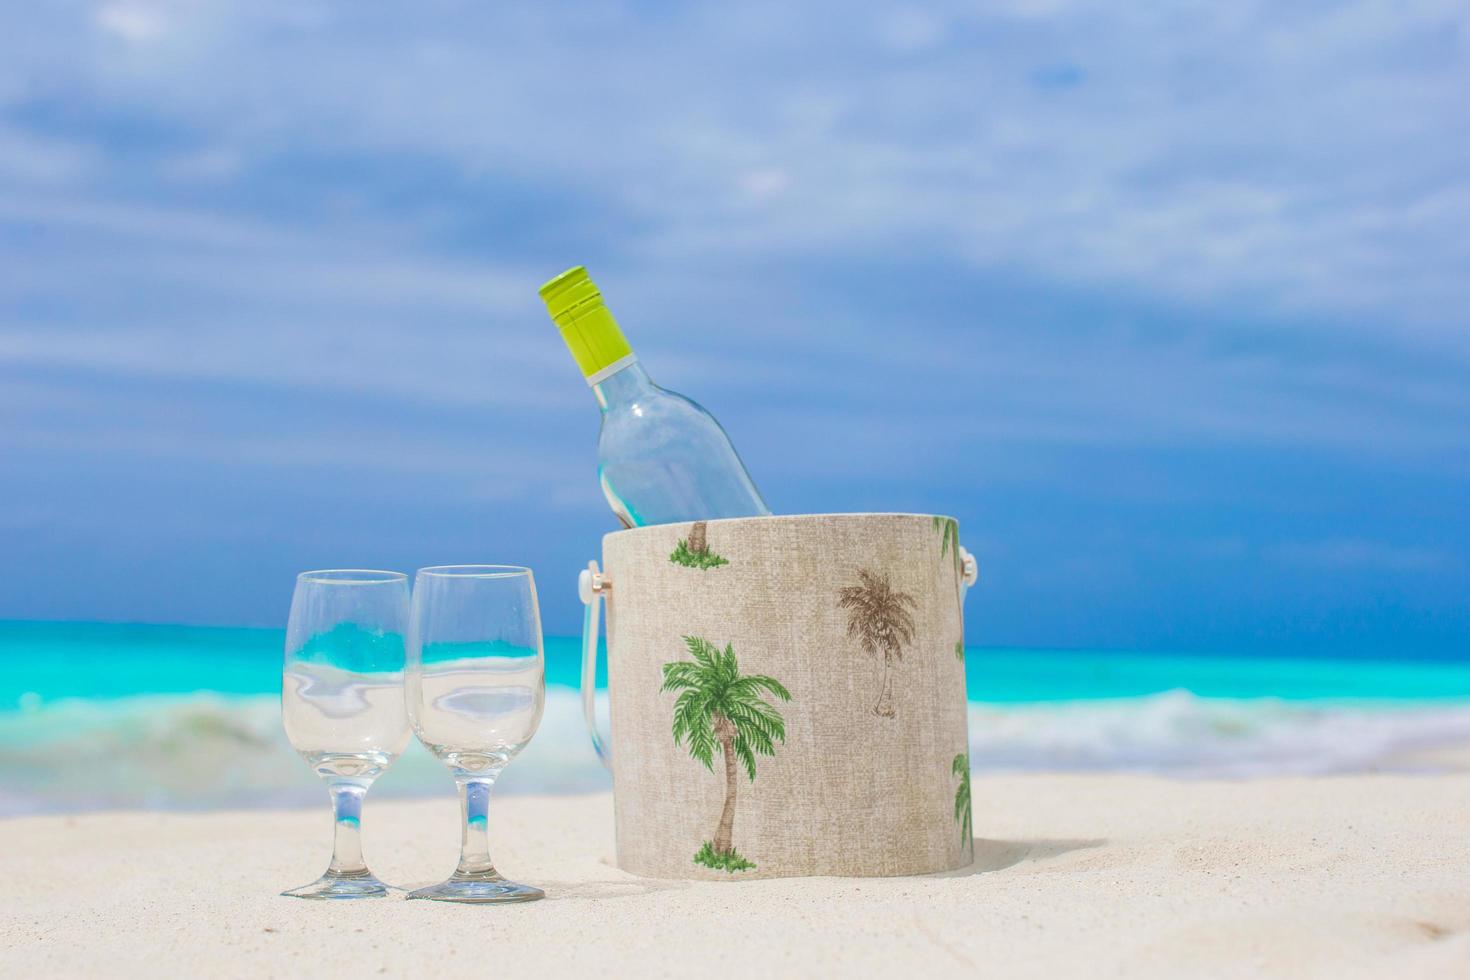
<point x="590" y="332"/>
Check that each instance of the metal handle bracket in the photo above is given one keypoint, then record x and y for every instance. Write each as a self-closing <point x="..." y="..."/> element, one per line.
<point x="970" y="569"/>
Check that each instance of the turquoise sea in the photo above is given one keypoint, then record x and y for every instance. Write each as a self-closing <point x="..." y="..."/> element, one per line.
<point x="98" y="716"/>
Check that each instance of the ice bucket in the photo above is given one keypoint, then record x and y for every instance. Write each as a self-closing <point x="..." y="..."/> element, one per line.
<point x="786" y="695"/>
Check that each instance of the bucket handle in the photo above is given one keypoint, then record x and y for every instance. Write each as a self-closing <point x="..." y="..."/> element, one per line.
<point x="592" y="587"/>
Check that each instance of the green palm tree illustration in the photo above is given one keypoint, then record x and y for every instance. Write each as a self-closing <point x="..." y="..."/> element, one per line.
<point x="949" y="544"/>
<point x="719" y="706"/>
<point x="693" y="551"/>
<point x="878" y="618"/>
<point x="961" y="768"/>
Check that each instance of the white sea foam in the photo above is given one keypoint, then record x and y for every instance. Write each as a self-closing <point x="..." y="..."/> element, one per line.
<point x="208" y="751"/>
<point x="1179" y="733"/>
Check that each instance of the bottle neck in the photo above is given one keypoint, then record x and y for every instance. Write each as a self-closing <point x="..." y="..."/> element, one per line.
<point x="623" y="387"/>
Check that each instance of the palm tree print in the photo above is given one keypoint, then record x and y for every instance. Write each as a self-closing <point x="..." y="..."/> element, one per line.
<point x="949" y="544"/>
<point x="949" y="535"/>
<point x="699" y="537"/>
<point x="718" y="706"/>
<point x="961" y="768"/>
<point x="693" y="552"/>
<point x="878" y="617"/>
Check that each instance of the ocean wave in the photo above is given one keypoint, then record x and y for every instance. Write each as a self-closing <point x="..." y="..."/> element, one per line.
<point x="1179" y="733"/>
<point x="209" y="751"/>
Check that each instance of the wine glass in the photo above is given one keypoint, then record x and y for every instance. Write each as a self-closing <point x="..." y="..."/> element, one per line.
<point x="475" y="688"/>
<point x="342" y="702"/>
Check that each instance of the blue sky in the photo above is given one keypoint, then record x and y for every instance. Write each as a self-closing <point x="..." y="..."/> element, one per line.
<point x="1168" y="305"/>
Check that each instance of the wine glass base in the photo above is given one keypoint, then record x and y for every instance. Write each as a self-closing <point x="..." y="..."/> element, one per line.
<point x="479" y="891"/>
<point x="330" y="886"/>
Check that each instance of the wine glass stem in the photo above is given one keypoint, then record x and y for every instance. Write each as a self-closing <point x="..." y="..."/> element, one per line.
<point x="346" y="817"/>
<point x="474" y="852"/>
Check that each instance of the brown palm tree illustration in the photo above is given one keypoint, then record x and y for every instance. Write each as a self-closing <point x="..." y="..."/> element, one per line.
<point x="878" y="618"/>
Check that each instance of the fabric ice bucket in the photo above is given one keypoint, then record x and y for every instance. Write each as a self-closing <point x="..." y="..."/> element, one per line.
<point x="787" y="695"/>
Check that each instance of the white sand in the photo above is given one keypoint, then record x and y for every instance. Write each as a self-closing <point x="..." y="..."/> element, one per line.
<point x="1075" y="876"/>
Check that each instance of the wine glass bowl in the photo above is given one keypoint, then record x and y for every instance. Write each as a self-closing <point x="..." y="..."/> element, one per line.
<point x="475" y="707"/>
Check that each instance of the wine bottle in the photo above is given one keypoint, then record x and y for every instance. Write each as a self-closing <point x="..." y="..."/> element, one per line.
<point x="661" y="458"/>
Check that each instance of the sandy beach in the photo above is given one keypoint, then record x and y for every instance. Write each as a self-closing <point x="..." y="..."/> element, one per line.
<point x="1074" y="876"/>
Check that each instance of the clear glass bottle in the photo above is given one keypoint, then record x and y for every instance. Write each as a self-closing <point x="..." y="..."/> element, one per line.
<point x="661" y="458"/>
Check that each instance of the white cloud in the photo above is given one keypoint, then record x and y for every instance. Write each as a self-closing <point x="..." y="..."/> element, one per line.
<point x="1349" y="554"/>
<point x="1304" y="163"/>
<point x="910" y="29"/>
<point x="1238" y="162"/>
<point x="765" y="183"/>
<point x="38" y="162"/>
<point x="208" y="165"/>
<point x="136" y="22"/>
